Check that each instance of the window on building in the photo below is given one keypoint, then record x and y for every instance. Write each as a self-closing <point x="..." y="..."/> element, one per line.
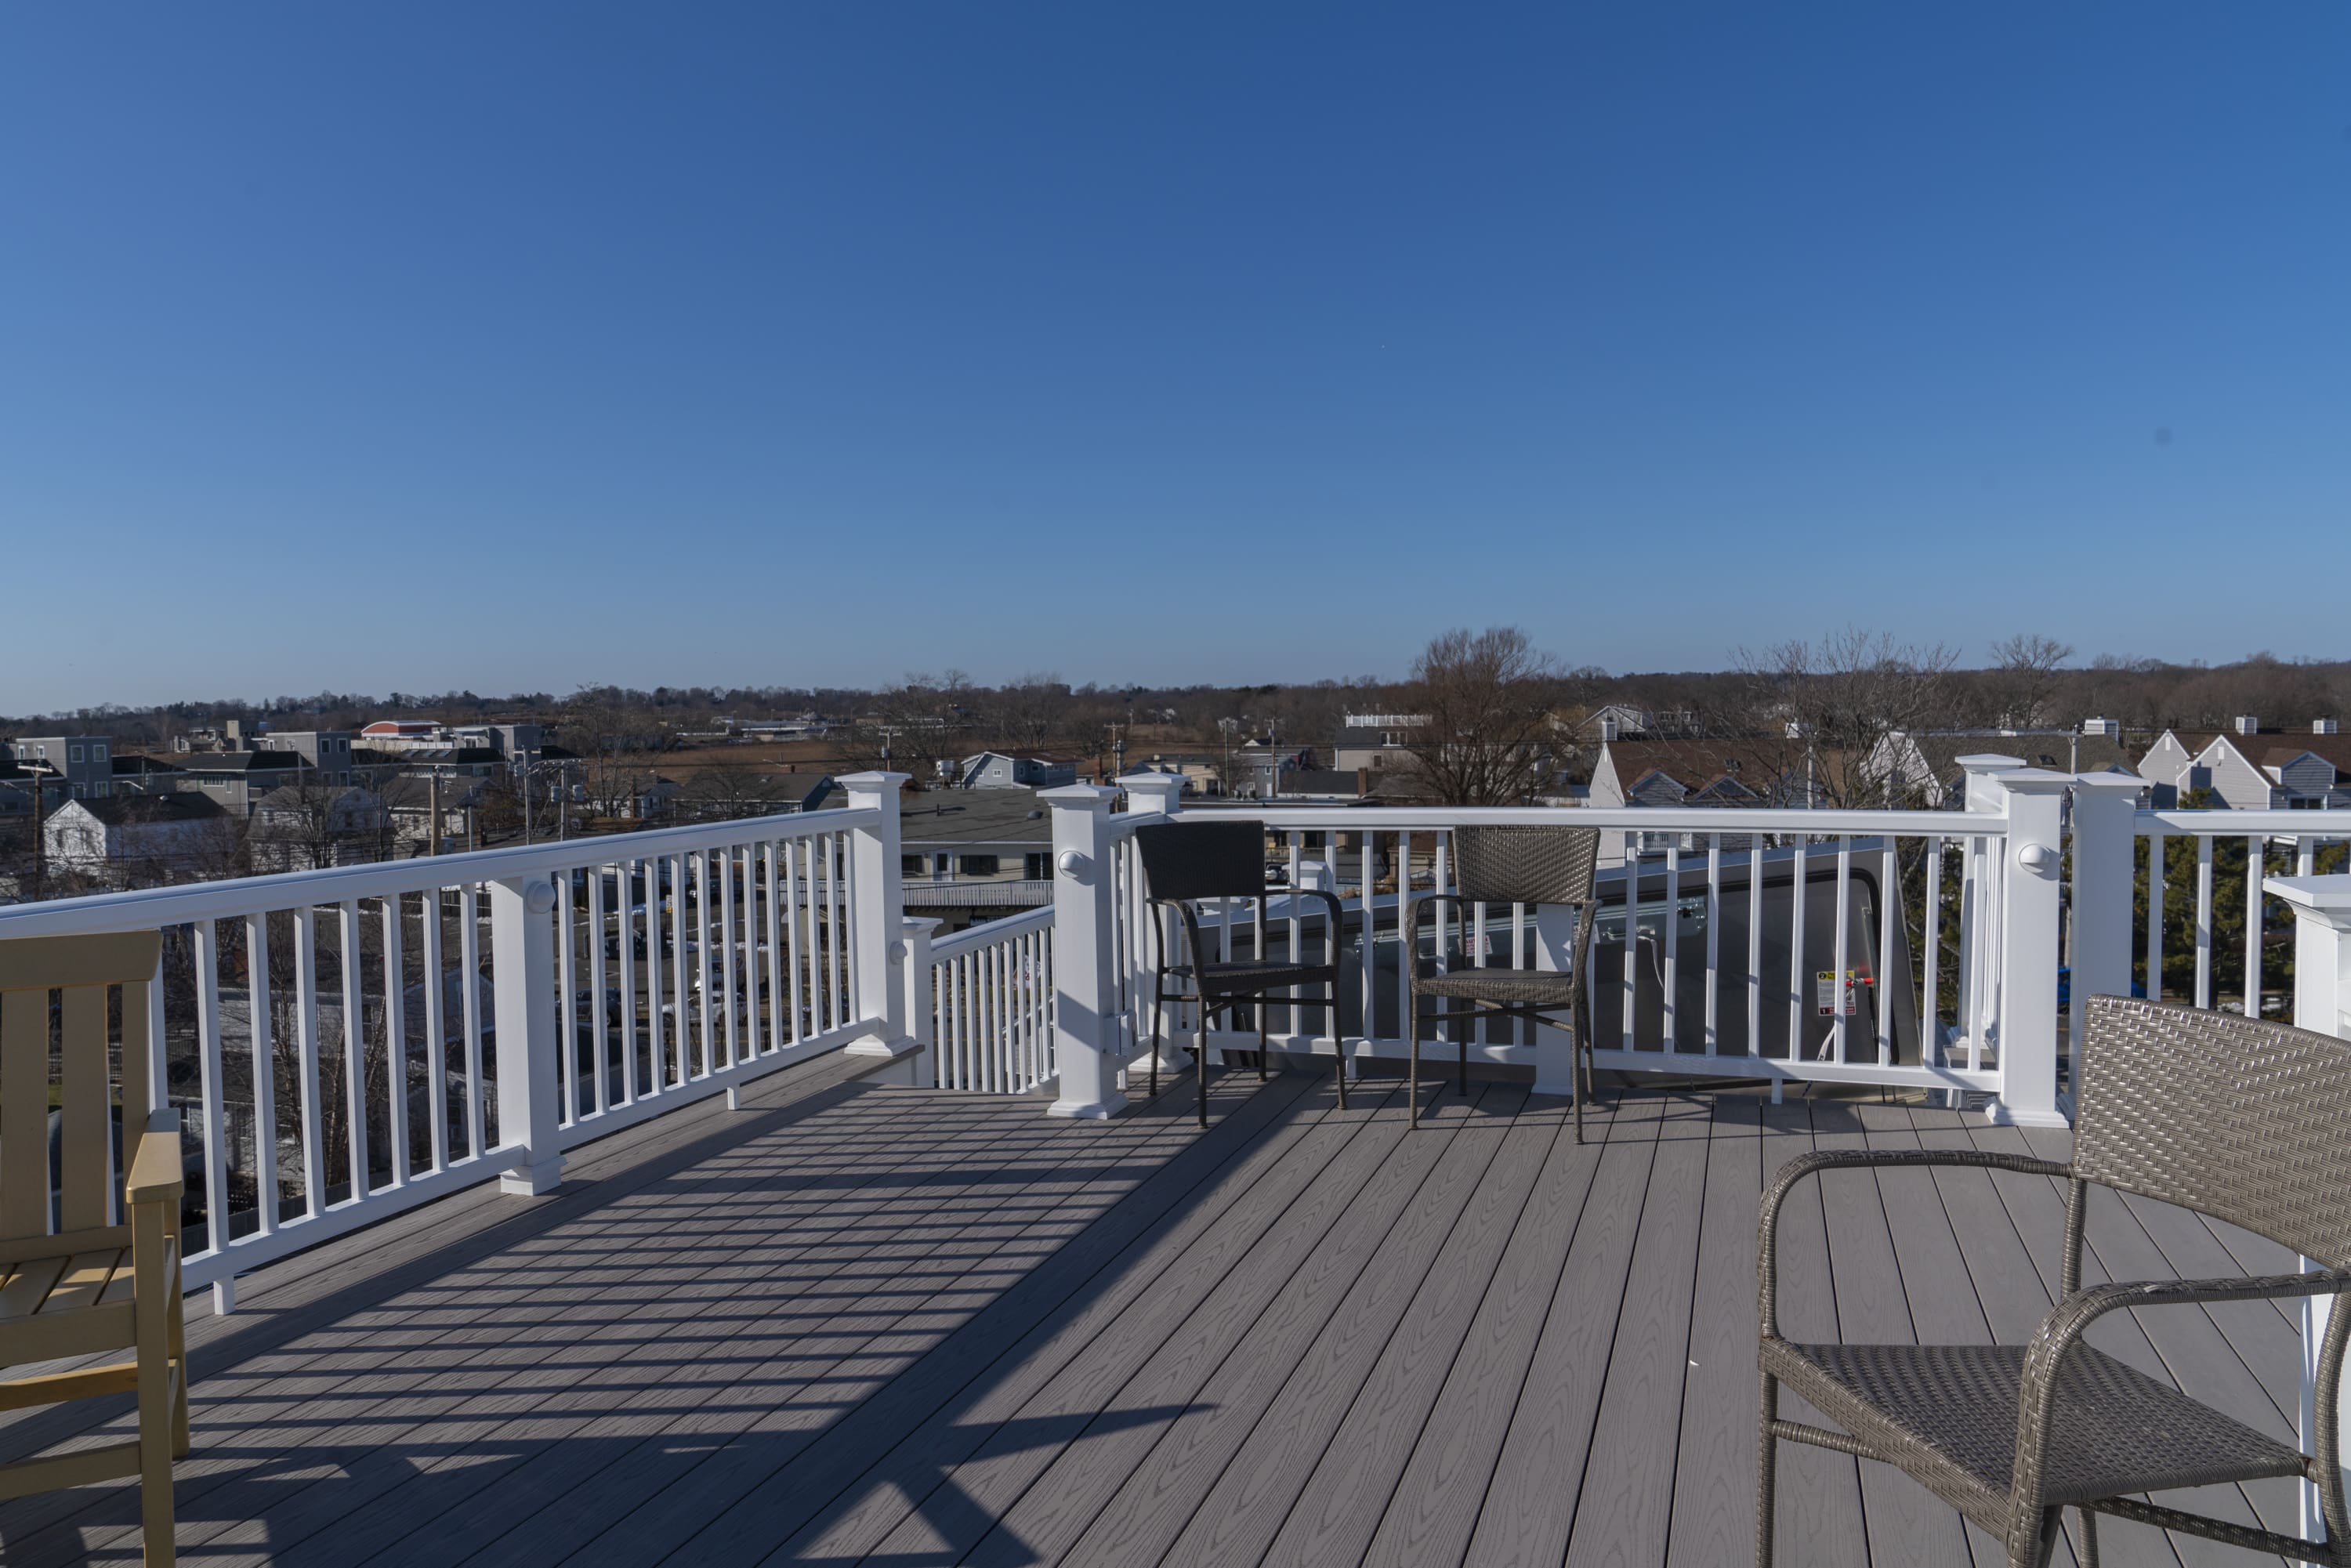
<point x="1037" y="867"/>
<point x="73" y="753"/>
<point x="977" y="865"/>
<point x="912" y="865"/>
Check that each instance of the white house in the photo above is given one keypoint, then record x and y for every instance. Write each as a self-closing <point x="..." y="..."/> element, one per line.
<point x="2252" y="769"/>
<point x="147" y="834"/>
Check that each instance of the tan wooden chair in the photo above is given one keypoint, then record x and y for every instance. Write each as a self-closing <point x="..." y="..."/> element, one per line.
<point x="106" y="1278"/>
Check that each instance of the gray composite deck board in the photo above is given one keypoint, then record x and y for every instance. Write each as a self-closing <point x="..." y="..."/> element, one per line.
<point x="738" y="1493"/>
<point x="1036" y="1483"/>
<point x="1716" y="1523"/>
<point x="1548" y="1447"/>
<point x="1906" y="1522"/>
<point x="657" y="1331"/>
<point x="851" y="1324"/>
<point x="1819" y="1517"/>
<point x="846" y="1511"/>
<point x="1436" y="1501"/>
<point x="856" y="1308"/>
<point x="1334" y="1517"/>
<point x="1626" y="1498"/>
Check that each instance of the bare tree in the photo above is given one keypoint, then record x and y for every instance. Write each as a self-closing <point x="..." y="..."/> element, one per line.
<point x="618" y="743"/>
<point x="1487" y="699"/>
<point x="2026" y="672"/>
<point x="1822" y="716"/>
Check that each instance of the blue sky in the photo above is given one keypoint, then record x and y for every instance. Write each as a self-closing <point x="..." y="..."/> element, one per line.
<point x="516" y="347"/>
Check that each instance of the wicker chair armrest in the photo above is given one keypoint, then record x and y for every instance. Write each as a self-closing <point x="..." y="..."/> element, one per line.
<point x="1409" y="926"/>
<point x="155" y="1174"/>
<point x="1333" y="936"/>
<point x="1803" y="1165"/>
<point x="2062" y="1330"/>
<point x="1183" y="907"/>
<point x="1413" y="902"/>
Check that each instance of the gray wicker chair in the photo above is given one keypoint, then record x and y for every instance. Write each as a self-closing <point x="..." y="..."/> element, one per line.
<point x="1506" y="866"/>
<point x="2246" y="1121"/>
<point x="1184" y="862"/>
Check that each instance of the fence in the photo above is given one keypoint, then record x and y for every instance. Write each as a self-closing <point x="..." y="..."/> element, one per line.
<point x="1916" y="949"/>
<point x="351" y="1042"/>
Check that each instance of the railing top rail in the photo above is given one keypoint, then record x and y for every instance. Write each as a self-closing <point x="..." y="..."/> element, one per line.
<point x="2225" y="823"/>
<point x="1648" y="819"/>
<point x="146" y="908"/>
<point x="988" y="933"/>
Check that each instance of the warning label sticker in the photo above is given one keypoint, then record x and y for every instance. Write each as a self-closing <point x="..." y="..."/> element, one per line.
<point x="1835" y="998"/>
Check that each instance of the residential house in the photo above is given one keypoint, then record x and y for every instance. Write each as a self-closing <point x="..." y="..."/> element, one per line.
<point x="1684" y="773"/>
<point x="1924" y="768"/>
<point x="1002" y="770"/>
<point x="409" y="804"/>
<point x="328" y="752"/>
<point x="373" y="765"/>
<point x="1375" y="740"/>
<point x="315" y="823"/>
<point x="966" y="856"/>
<point x="1617" y="721"/>
<point x="1201" y="774"/>
<point x="140" y="773"/>
<point x="82" y="763"/>
<point x="146" y="836"/>
<point x="238" y="781"/>
<point x="2248" y="767"/>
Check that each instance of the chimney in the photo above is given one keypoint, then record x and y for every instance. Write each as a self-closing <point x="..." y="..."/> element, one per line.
<point x="2246" y="724"/>
<point x="2322" y="726"/>
<point x="2112" y="728"/>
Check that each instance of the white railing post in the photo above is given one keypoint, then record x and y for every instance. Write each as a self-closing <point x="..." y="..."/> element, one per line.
<point x="2024" y="979"/>
<point x="914" y="961"/>
<point x="1555" y="950"/>
<point x="1977" y="886"/>
<point x="2321" y="1001"/>
<point x="1152" y="794"/>
<point x="1085" y="978"/>
<point x="530" y="1031"/>
<point x="1159" y="796"/>
<point x="2105" y="864"/>
<point x="879" y="913"/>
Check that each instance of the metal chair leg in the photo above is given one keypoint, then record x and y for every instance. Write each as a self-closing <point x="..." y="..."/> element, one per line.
<point x="1158" y="1010"/>
<point x="1200" y="1064"/>
<point x="2088" y="1551"/>
<point x="1767" y="1455"/>
<point x="1338" y="1057"/>
<point x="1258" y="1007"/>
<point x="1581" y="1088"/>
<point x="1463" y="1087"/>
<point x="1412" y="1070"/>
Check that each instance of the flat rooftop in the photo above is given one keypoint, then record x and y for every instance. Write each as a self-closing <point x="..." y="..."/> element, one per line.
<point x="850" y="1323"/>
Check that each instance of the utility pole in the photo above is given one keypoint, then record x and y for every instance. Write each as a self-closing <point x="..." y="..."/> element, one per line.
<point x="40" y="845"/>
<point x="522" y="777"/>
<point x="433" y="822"/>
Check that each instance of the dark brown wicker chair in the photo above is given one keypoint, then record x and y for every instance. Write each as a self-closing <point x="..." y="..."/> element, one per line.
<point x="2245" y="1120"/>
<point x="1508" y="865"/>
<point x="1184" y="862"/>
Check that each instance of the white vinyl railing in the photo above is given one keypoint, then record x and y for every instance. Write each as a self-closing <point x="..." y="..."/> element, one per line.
<point x="348" y="1042"/>
<point x="2213" y="863"/>
<point x="991" y="1006"/>
<point x="1892" y="965"/>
